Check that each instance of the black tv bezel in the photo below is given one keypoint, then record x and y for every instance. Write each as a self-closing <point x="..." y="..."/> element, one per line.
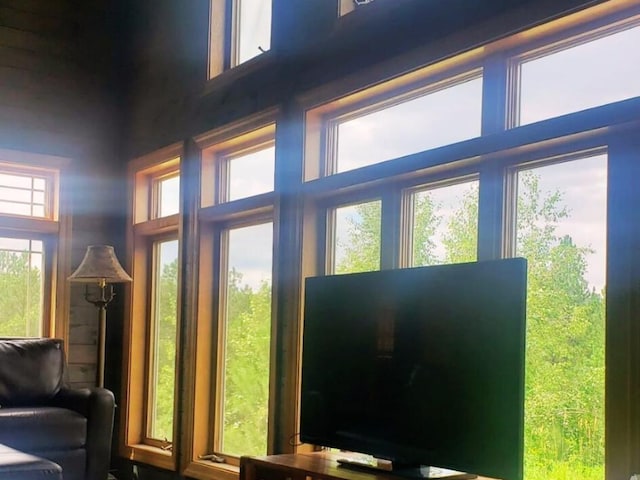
<point x="513" y="272"/>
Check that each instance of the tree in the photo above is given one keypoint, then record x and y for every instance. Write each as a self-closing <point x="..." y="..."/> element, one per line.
<point x="565" y="322"/>
<point x="21" y="304"/>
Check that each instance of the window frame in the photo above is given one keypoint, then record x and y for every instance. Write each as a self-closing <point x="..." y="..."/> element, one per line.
<point x="144" y="229"/>
<point x="214" y="216"/>
<point x="490" y="157"/>
<point x="223" y="40"/>
<point x="54" y="230"/>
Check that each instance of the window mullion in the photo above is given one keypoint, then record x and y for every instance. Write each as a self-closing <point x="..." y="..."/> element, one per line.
<point x="493" y="221"/>
<point x="491" y="200"/>
<point x="495" y="86"/>
<point x="390" y="228"/>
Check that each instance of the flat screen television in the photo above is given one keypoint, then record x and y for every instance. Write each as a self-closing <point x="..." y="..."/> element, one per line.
<point x="420" y="366"/>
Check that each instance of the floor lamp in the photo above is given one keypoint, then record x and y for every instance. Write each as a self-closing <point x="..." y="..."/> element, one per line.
<point x="100" y="266"/>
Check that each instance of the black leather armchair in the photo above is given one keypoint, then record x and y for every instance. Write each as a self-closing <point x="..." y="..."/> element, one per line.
<point x="39" y="415"/>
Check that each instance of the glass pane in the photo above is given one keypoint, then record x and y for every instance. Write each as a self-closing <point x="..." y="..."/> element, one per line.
<point x="19" y="195"/>
<point x="22" y="284"/>
<point x="251" y="174"/>
<point x="14" y="208"/>
<point x="15" y="181"/>
<point x="168" y="196"/>
<point x="163" y="345"/>
<point x="594" y="73"/>
<point x="445" y="225"/>
<point x="431" y="120"/>
<point x="254" y="34"/>
<point x="356" y="245"/>
<point x="561" y="230"/>
<point x="247" y="340"/>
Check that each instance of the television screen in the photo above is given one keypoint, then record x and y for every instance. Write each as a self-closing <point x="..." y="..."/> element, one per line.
<point x="421" y="366"/>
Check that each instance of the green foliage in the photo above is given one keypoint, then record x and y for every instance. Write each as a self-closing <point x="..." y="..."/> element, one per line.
<point x="246" y="386"/>
<point x="21" y="286"/>
<point x="165" y="355"/>
<point x="362" y="247"/>
<point x="564" y="425"/>
<point x="564" y="404"/>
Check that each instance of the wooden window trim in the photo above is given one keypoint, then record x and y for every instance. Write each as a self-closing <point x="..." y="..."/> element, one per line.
<point x="143" y="230"/>
<point x="213" y="219"/>
<point x="489" y="156"/>
<point x="152" y="242"/>
<point x="223" y="39"/>
<point x="54" y="229"/>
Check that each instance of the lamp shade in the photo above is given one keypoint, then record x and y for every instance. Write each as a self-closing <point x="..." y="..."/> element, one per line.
<point x="100" y="264"/>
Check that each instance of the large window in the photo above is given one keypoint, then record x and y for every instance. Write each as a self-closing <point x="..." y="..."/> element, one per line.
<point x="526" y="146"/>
<point x="32" y="242"/>
<point x="443" y="179"/>
<point x="152" y="328"/>
<point x="239" y="30"/>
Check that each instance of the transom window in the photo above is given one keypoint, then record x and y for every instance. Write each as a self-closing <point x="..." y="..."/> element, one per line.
<point x="239" y="30"/>
<point x="24" y="195"/>
<point x="435" y="115"/>
<point x="579" y="73"/>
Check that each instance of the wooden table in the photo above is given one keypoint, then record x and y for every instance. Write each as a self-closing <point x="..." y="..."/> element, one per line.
<point x="307" y="466"/>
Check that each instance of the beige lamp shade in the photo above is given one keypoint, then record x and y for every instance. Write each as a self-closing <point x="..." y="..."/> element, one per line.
<point x="100" y="264"/>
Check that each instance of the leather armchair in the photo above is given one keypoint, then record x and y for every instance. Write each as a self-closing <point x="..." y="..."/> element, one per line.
<point x="39" y="415"/>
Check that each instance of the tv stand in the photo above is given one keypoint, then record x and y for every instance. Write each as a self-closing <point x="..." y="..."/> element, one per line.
<point x="403" y="470"/>
<point x="310" y="466"/>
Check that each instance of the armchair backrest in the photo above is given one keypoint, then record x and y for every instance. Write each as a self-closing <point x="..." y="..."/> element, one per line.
<point x="31" y="370"/>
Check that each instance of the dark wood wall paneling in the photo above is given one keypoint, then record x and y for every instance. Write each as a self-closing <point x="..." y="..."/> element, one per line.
<point x="170" y="98"/>
<point x="59" y="94"/>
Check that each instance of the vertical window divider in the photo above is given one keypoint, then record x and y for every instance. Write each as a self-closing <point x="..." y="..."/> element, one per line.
<point x="390" y="228"/>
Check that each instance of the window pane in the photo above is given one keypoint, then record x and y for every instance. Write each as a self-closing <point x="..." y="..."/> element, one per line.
<point x="356" y="243"/>
<point x="251" y="174"/>
<point x="163" y="343"/>
<point x="561" y="230"/>
<point x="247" y="341"/>
<point x="254" y="35"/>
<point x="22" y="195"/>
<point x="21" y="281"/>
<point x="584" y="76"/>
<point x="445" y="224"/>
<point x="168" y="196"/>
<point x="435" y="119"/>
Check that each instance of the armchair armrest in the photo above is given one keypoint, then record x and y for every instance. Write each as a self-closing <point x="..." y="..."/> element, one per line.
<point x="97" y="405"/>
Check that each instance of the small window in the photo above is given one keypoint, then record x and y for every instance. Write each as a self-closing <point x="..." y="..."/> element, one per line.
<point x="444" y="224"/>
<point x="249" y="173"/>
<point x="251" y="32"/>
<point x="434" y="117"/>
<point x="354" y="244"/>
<point x="239" y="31"/>
<point x="167" y="190"/>
<point x="23" y="195"/>
<point x="578" y="76"/>
<point x="347" y="6"/>
<point x="163" y="346"/>
<point x="239" y="166"/>
<point x="22" y="281"/>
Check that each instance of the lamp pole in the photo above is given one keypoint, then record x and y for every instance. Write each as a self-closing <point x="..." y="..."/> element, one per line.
<point x="101" y="303"/>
